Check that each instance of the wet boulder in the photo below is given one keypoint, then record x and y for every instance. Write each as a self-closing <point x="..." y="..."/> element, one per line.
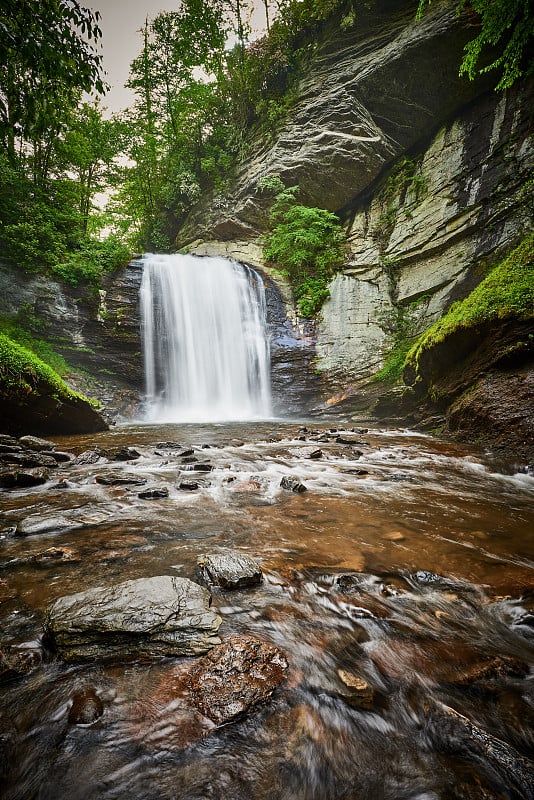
<point x="292" y="484"/>
<point x="144" y="618"/>
<point x="153" y="493"/>
<point x="30" y="458"/>
<point x="17" y="478"/>
<point x="230" y="570"/>
<point x="117" y="478"/>
<point x="235" y="676"/>
<point x="126" y="454"/>
<point x="36" y="443"/>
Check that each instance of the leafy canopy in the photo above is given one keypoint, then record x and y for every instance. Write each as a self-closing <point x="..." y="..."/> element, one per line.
<point x="506" y="35"/>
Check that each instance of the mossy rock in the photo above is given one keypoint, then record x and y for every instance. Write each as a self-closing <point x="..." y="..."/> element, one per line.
<point x="35" y="399"/>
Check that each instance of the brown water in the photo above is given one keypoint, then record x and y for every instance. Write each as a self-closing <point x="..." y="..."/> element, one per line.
<point x="410" y="565"/>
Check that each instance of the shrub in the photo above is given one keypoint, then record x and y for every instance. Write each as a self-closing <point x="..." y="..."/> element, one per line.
<point x="91" y="260"/>
<point x="307" y="242"/>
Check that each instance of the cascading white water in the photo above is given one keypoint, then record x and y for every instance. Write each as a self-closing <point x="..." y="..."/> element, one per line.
<point x="205" y="342"/>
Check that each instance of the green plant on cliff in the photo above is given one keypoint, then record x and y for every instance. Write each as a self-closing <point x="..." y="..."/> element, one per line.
<point x="307" y="244"/>
<point x="506" y="35"/>
<point x="506" y="293"/>
<point x="22" y="374"/>
<point x="402" y="324"/>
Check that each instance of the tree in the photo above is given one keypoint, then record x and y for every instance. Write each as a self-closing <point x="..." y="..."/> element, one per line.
<point x="505" y="38"/>
<point x="48" y="55"/>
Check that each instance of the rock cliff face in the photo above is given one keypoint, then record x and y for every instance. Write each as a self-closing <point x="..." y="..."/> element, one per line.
<point x="429" y="172"/>
<point x="98" y="333"/>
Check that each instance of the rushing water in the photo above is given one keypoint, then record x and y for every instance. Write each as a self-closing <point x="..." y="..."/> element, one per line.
<point x="205" y="342"/>
<point x="408" y="561"/>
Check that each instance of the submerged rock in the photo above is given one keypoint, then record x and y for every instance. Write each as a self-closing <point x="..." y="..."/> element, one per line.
<point x="145" y="618"/>
<point x="236" y="675"/>
<point x="15" y="663"/>
<point x="231" y="570"/>
<point x="86" y="707"/>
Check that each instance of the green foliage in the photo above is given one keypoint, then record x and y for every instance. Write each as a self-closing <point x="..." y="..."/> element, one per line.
<point x="23" y="373"/>
<point x="403" y="325"/>
<point x="307" y="242"/>
<point x="48" y="56"/>
<point x="91" y="260"/>
<point x="508" y="26"/>
<point x="507" y="292"/>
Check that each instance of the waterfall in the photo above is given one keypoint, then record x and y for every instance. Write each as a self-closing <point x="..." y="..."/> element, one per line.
<point x="205" y="343"/>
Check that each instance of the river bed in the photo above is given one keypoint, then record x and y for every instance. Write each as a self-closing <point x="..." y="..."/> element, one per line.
<point x="408" y="561"/>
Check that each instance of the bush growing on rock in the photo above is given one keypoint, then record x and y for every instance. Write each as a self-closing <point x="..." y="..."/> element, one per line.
<point x="307" y="243"/>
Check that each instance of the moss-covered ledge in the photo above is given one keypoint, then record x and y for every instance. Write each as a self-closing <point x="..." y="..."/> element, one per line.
<point x="35" y="399"/>
<point x="476" y="364"/>
<point x="493" y="325"/>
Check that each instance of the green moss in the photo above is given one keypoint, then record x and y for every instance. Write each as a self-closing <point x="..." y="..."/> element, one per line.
<point x="22" y="373"/>
<point x="506" y="293"/>
<point x="38" y="347"/>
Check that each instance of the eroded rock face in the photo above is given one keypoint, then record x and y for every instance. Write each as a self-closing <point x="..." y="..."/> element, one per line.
<point x="145" y="618"/>
<point x="361" y="102"/>
<point x="236" y="675"/>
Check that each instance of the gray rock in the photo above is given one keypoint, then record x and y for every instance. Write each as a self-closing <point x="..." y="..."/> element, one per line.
<point x="231" y="570"/>
<point x="153" y="493"/>
<point x="35" y="443"/>
<point x="89" y="456"/>
<point x="238" y="674"/>
<point x="115" y="478"/>
<point x="145" y="618"/>
<point x="292" y="484"/>
<point x="39" y="524"/>
<point x="14" y="478"/>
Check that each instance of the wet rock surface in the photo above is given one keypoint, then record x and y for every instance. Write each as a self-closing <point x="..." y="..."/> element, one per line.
<point x="86" y="707"/>
<point x="149" y="617"/>
<point x="236" y="675"/>
<point x="230" y="570"/>
<point x="17" y="663"/>
<point x="379" y="597"/>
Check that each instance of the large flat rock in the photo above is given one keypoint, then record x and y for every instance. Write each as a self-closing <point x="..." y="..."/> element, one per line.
<point x="145" y="618"/>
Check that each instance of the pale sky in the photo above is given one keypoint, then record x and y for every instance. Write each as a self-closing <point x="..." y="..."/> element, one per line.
<point x="121" y="21"/>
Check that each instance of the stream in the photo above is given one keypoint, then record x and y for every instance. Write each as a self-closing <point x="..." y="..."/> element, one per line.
<point x="408" y="562"/>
